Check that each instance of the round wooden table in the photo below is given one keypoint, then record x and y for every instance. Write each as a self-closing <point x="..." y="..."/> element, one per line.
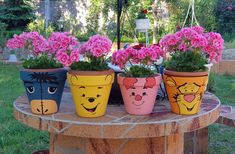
<point x="117" y="131"/>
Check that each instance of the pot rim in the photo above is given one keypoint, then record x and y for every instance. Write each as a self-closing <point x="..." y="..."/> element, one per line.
<point x="43" y="70"/>
<point x="155" y="76"/>
<point x="185" y="74"/>
<point x="91" y="73"/>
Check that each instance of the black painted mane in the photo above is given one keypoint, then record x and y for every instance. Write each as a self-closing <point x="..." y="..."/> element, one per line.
<point x="43" y="77"/>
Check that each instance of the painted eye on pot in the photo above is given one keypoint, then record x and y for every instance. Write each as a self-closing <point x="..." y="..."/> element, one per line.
<point x="97" y="95"/>
<point x="83" y="95"/>
<point x="52" y="90"/>
<point x="30" y="89"/>
<point x="144" y="93"/>
<point x="133" y="94"/>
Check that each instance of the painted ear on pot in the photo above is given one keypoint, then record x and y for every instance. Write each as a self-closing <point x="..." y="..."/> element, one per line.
<point x="170" y="82"/>
<point x="109" y="79"/>
<point x="129" y="83"/>
<point x="74" y="80"/>
<point x="150" y="83"/>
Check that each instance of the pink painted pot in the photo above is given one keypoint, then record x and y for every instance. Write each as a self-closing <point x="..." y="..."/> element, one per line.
<point x="139" y="94"/>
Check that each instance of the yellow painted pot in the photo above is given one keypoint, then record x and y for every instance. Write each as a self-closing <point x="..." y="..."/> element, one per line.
<point x="90" y="90"/>
<point x="185" y="90"/>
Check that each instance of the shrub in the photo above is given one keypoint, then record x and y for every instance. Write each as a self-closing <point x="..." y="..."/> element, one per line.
<point x="39" y="26"/>
<point x="225" y="15"/>
<point x="16" y="14"/>
<point x="43" y="51"/>
<point x="192" y="49"/>
<point x="5" y="35"/>
<point x="140" y="61"/>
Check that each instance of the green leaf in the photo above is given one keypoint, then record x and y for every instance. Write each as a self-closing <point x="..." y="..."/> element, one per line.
<point x="188" y="61"/>
<point x="41" y="62"/>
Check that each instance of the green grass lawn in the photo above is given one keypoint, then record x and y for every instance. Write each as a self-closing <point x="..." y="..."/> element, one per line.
<point x="16" y="138"/>
<point x="222" y="138"/>
<point x="230" y="44"/>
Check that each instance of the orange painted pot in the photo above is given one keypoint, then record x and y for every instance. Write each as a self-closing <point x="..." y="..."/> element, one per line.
<point x="185" y="90"/>
<point x="139" y="94"/>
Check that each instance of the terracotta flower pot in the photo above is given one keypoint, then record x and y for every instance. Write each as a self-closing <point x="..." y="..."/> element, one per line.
<point x="139" y="94"/>
<point x="185" y="90"/>
<point x="90" y="90"/>
<point x="44" y="88"/>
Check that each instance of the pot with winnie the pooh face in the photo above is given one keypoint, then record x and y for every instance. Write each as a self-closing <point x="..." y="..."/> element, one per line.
<point x="139" y="94"/>
<point x="90" y="90"/>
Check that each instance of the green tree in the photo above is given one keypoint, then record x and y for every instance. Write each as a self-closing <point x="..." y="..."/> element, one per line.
<point x="225" y="16"/>
<point x="16" y="14"/>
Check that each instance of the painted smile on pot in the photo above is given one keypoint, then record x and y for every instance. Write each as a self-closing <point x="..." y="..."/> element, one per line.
<point x="91" y="110"/>
<point x="137" y="103"/>
<point x="189" y="109"/>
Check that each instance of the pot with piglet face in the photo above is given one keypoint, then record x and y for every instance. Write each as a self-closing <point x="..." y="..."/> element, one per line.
<point x="139" y="81"/>
<point x="139" y="94"/>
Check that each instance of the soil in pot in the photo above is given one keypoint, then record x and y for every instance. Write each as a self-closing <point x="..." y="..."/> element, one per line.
<point x="139" y="94"/>
<point x="44" y="88"/>
<point x="185" y="90"/>
<point x="90" y="90"/>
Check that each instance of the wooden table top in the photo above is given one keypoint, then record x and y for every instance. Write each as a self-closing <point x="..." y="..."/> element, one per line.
<point x="117" y="124"/>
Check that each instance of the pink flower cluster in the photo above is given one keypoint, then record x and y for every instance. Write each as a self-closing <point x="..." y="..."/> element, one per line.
<point x="31" y="40"/>
<point x="97" y="46"/>
<point x="215" y="46"/>
<point x="63" y="45"/>
<point x="146" y="56"/>
<point x="194" y="39"/>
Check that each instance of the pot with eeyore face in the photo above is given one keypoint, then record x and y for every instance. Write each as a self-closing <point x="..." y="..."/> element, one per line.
<point x="44" y="88"/>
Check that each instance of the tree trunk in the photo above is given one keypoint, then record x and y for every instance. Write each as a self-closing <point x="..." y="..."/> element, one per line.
<point x="155" y="17"/>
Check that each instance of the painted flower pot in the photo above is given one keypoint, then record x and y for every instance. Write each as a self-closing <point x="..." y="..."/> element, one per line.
<point x="139" y="94"/>
<point x="44" y="88"/>
<point x="185" y="90"/>
<point x="90" y="90"/>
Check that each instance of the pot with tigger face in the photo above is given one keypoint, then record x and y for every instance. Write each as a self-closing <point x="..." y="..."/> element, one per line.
<point x="185" y="90"/>
<point x="44" y="88"/>
<point x="139" y="94"/>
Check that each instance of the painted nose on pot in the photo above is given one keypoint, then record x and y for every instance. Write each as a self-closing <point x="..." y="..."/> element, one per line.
<point x="138" y="98"/>
<point x="91" y="99"/>
<point x="44" y="107"/>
